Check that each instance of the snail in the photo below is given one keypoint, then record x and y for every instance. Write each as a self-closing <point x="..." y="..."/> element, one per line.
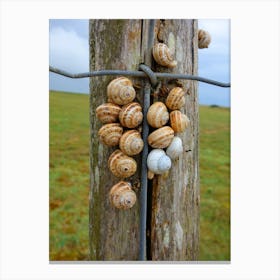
<point x="122" y="196"/>
<point x="131" y="115"/>
<point x="162" y="55"/>
<point x="204" y="39"/>
<point x="121" y="165"/>
<point x="131" y="143"/>
<point x="110" y="134"/>
<point x="158" y="162"/>
<point x="175" y="148"/>
<point x="108" y="112"/>
<point x="120" y="91"/>
<point x="178" y="121"/>
<point x="161" y="137"/>
<point x="175" y="99"/>
<point x="157" y="115"/>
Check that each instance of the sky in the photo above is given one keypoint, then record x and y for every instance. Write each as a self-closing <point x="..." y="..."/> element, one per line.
<point x="69" y="50"/>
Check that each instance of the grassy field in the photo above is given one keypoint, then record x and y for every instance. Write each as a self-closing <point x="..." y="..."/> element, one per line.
<point x="69" y="179"/>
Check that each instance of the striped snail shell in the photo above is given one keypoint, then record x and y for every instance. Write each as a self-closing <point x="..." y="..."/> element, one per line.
<point x="175" y="149"/>
<point x="131" y="115"/>
<point x="158" y="162"/>
<point x="175" y="99"/>
<point x="108" y="112"/>
<point x="122" y="196"/>
<point x="120" y="91"/>
<point x="110" y="134"/>
<point x="178" y="121"/>
<point x="157" y="115"/>
<point x="204" y="39"/>
<point x="131" y="143"/>
<point x="162" y="55"/>
<point x="121" y="165"/>
<point x="161" y="137"/>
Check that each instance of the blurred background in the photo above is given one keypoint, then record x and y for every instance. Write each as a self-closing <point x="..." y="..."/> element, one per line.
<point x="69" y="142"/>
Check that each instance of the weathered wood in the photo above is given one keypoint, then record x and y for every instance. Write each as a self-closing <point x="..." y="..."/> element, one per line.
<point x="114" y="234"/>
<point x="175" y="197"/>
<point x="174" y="211"/>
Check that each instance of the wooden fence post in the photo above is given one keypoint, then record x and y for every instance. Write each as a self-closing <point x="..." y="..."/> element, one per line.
<point x="173" y="212"/>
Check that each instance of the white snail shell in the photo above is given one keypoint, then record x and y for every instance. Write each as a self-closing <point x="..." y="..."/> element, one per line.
<point x="162" y="55"/>
<point x="175" y="149"/>
<point x="158" y="162"/>
<point x="157" y="115"/>
<point x="121" y="165"/>
<point x="108" y="112"/>
<point x="110" y="134"/>
<point x="122" y="196"/>
<point x="131" y="115"/>
<point x="175" y="99"/>
<point x="161" y="137"/>
<point x="179" y="121"/>
<point x="120" y="91"/>
<point x="131" y="143"/>
<point x="204" y="39"/>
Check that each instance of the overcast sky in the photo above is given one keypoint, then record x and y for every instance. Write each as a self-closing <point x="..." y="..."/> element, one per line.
<point x="69" y="51"/>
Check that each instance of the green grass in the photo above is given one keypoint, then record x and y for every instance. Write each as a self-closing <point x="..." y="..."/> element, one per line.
<point x="69" y="179"/>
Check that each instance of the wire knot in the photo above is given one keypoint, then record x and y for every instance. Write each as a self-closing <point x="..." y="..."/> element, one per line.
<point x="150" y="74"/>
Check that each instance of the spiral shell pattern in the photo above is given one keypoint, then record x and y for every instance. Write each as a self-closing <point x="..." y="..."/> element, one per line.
<point x="178" y="121"/>
<point x="161" y="137"/>
<point x="110" y="134"/>
<point x="162" y="55"/>
<point x="175" y="149"/>
<point x="175" y="99"/>
<point x="131" y="115"/>
<point x="204" y="39"/>
<point x="108" y="112"/>
<point x="121" y="165"/>
<point x="120" y="91"/>
<point x="157" y="115"/>
<point x="131" y="143"/>
<point x="122" y="196"/>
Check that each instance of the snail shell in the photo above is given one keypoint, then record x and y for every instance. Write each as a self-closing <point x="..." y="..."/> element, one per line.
<point x="175" y="149"/>
<point x="158" y="162"/>
<point x="161" y="137"/>
<point x="120" y="91"/>
<point x="162" y="56"/>
<point x="178" y="121"/>
<point x="204" y="39"/>
<point x="110" y="134"/>
<point x="131" y="143"/>
<point x="175" y="99"/>
<point x="121" y="165"/>
<point x="131" y="115"/>
<point x="108" y="112"/>
<point x="157" y="115"/>
<point x="122" y="196"/>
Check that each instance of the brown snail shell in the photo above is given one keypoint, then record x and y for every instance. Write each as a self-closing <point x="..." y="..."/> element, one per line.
<point x="122" y="196"/>
<point x="131" y="115"/>
<point x="175" y="99"/>
<point x="110" y="134"/>
<point x="157" y="115"/>
<point x="120" y="91"/>
<point x="131" y="143"/>
<point x="178" y="121"/>
<point x="161" y="137"/>
<point x="121" y="165"/>
<point x="108" y="112"/>
<point x="162" y="55"/>
<point x="204" y="39"/>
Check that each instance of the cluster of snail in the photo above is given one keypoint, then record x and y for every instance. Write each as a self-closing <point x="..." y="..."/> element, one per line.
<point x="121" y="113"/>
